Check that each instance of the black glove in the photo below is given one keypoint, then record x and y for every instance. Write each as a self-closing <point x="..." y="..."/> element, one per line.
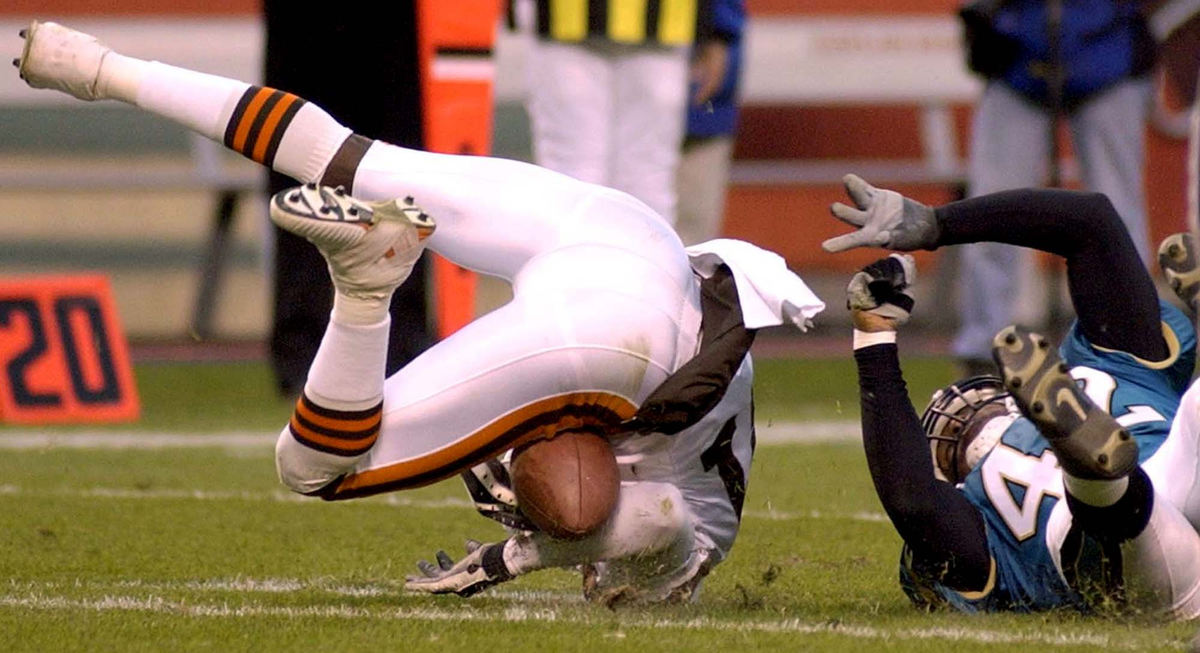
<point x="884" y="288"/>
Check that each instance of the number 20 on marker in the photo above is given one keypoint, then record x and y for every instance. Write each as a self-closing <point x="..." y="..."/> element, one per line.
<point x="63" y="356"/>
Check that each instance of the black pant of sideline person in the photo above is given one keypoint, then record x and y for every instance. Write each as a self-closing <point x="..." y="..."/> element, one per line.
<point x="363" y="68"/>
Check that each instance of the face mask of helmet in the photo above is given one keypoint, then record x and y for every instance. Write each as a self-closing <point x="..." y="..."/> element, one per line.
<point x="958" y="424"/>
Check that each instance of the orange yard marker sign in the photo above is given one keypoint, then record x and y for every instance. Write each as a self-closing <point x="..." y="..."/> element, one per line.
<point x="457" y="71"/>
<point x="63" y="356"/>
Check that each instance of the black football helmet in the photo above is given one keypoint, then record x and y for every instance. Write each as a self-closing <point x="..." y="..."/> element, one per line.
<point x="949" y="412"/>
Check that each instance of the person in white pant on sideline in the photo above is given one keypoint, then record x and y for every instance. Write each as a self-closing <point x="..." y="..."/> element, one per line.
<point x="608" y="90"/>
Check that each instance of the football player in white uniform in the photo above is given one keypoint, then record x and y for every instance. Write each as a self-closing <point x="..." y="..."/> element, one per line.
<point x="613" y="329"/>
<point x="1072" y="481"/>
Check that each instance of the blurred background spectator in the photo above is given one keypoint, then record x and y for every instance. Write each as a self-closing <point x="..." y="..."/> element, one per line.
<point x="712" y="119"/>
<point x="607" y="91"/>
<point x="1081" y="61"/>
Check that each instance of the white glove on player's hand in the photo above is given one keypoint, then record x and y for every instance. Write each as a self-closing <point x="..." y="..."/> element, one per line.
<point x="884" y="288"/>
<point x="885" y="219"/>
<point x="482" y="567"/>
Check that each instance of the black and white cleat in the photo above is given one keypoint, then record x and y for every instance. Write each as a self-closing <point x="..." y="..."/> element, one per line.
<point x="1089" y="443"/>
<point x="1180" y="263"/>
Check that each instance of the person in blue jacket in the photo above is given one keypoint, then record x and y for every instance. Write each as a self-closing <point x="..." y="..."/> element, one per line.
<point x="1084" y="63"/>
<point x="712" y="118"/>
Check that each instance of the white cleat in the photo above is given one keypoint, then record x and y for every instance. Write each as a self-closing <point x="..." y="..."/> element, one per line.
<point x="371" y="247"/>
<point x="62" y="59"/>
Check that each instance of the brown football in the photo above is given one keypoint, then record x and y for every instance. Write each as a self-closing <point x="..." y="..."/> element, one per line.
<point x="566" y="485"/>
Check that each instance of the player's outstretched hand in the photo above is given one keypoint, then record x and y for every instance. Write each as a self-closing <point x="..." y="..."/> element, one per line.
<point x="884" y="218"/>
<point x="481" y="568"/>
<point x="880" y="295"/>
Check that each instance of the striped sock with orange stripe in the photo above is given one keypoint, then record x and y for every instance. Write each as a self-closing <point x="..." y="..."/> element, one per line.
<point x="292" y="136"/>
<point x="339" y="432"/>
<point x="258" y="123"/>
<point x="339" y="417"/>
<point x="272" y="127"/>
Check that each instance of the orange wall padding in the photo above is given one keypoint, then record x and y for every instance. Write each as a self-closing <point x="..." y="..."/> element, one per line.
<point x="794" y="219"/>
<point x="791" y="131"/>
<point x="458" y="120"/>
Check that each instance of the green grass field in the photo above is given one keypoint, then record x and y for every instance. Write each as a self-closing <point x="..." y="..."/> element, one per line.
<point x="171" y="547"/>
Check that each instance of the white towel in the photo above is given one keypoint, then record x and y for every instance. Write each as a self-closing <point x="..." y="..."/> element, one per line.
<point x="768" y="291"/>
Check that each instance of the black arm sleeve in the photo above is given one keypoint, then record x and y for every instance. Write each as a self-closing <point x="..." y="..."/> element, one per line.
<point x="943" y="529"/>
<point x="1113" y="294"/>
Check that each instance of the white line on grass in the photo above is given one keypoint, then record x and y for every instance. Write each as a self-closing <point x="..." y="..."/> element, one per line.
<point x="280" y="496"/>
<point x="768" y="434"/>
<point x="399" y="500"/>
<point x="273" y="586"/>
<point x="542" y="614"/>
<point x="814" y="432"/>
<point x="22" y="440"/>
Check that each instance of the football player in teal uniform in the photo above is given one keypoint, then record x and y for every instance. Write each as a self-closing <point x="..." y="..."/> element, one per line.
<point x="1068" y="481"/>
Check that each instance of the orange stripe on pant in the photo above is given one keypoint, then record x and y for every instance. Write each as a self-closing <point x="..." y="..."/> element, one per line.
<point x="541" y="419"/>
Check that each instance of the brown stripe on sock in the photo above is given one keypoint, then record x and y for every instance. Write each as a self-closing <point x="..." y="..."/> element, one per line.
<point x="355" y="437"/>
<point x="243" y="117"/>
<point x="238" y="112"/>
<point x="337" y="420"/>
<point x="338" y="414"/>
<point x="341" y="169"/>
<point x="277" y="124"/>
<point x="335" y="438"/>
<point x="343" y="433"/>
<point x="258" y="123"/>
<point x="327" y="444"/>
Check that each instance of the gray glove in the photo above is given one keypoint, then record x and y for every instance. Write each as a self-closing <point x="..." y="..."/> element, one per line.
<point x="482" y="567"/>
<point x="885" y="218"/>
<point x="884" y="288"/>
